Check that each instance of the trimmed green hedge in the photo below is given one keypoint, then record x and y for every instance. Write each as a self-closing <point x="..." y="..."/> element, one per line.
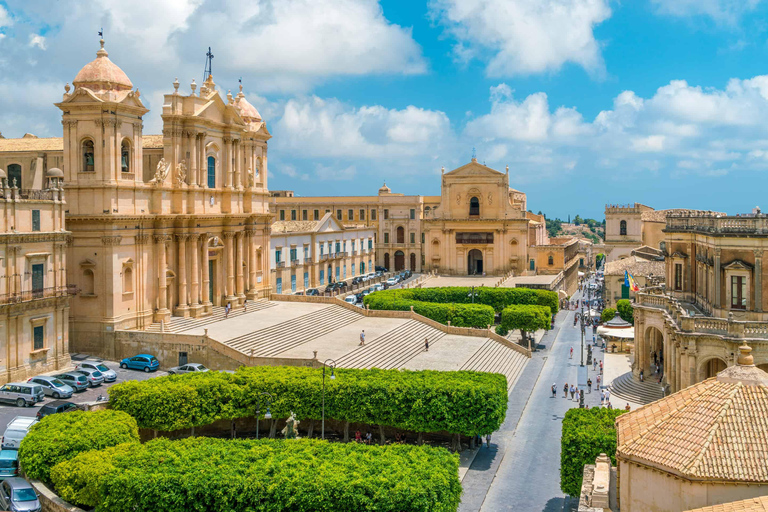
<point x="217" y="475"/>
<point x="608" y="314"/>
<point x="586" y="434"/>
<point x="60" y="437"/>
<point x="460" y="315"/>
<point x="526" y="318"/>
<point x="626" y="311"/>
<point x="497" y="298"/>
<point x="422" y="401"/>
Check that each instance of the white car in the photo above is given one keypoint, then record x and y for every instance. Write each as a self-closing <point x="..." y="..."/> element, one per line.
<point x="392" y="281"/>
<point x="378" y="287"/>
<point x="366" y="278"/>
<point x="372" y="275"/>
<point x="350" y="299"/>
<point x="187" y="368"/>
<point x="109" y="375"/>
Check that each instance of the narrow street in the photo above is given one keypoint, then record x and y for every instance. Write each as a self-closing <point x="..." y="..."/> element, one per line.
<point x="521" y="470"/>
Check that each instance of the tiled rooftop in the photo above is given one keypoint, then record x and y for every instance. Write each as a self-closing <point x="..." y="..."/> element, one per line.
<point x="635" y="266"/>
<point x="661" y="215"/>
<point x="759" y="504"/>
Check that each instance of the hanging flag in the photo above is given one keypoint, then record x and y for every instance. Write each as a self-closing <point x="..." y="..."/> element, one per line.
<point x="630" y="282"/>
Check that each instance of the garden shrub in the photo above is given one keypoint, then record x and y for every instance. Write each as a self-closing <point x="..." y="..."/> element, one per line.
<point x="462" y="402"/>
<point x="460" y="315"/>
<point x="626" y="311"/>
<point x="219" y="475"/>
<point x="527" y="318"/>
<point x="586" y="434"/>
<point x="607" y="314"/>
<point x="60" y="437"/>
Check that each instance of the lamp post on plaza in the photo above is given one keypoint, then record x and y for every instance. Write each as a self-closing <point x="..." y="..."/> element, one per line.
<point x="268" y="415"/>
<point x="332" y="366"/>
<point x="472" y="294"/>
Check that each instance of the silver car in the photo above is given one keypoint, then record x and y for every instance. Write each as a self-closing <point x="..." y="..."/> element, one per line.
<point x="21" y="393"/>
<point x="53" y="386"/>
<point x="77" y="381"/>
<point x="188" y="368"/>
<point x="94" y="377"/>
<point x="109" y="375"/>
<point x="17" y="495"/>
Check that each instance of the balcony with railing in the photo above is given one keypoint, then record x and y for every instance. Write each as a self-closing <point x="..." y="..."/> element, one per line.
<point x="37" y="294"/>
<point x="718" y="223"/>
<point x="280" y="264"/>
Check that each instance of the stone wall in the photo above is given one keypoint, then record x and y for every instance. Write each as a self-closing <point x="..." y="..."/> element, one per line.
<point x="50" y="501"/>
<point x="598" y="488"/>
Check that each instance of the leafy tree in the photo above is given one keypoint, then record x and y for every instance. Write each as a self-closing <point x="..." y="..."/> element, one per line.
<point x="607" y="314"/>
<point x="586" y="434"/>
<point x="527" y="318"/>
<point x="578" y="220"/>
<point x="626" y="311"/>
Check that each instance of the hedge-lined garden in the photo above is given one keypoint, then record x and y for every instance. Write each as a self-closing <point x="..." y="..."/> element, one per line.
<point x="204" y="474"/>
<point x="526" y="318"/>
<point x="586" y="434"/>
<point x="461" y="402"/>
<point x="459" y="315"/>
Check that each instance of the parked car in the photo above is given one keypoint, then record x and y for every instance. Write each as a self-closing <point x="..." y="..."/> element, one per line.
<point x="55" y="407"/>
<point x="18" y="495"/>
<point x="342" y="285"/>
<point x="9" y="463"/>
<point x="145" y="362"/>
<point x="358" y="279"/>
<point x="367" y="292"/>
<point x="94" y="377"/>
<point x="76" y="381"/>
<point x="21" y="393"/>
<point x="371" y="275"/>
<point x="378" y="268"/>
<point x="378" y="287"/>
<point x="188" y="368"/>
<point x="53" y="386"/>
<point x="15" y="431"/>
<point x="379" y="273"/>
<point x="392" y="281"/>
<point x="109" y="375"/>
<point x="312" y="292"/>
<point x="350" y="299"/>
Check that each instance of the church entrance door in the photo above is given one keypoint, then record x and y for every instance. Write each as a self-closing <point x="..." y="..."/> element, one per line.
<point x="475" y="262"/>
<point x="399" y="261"/>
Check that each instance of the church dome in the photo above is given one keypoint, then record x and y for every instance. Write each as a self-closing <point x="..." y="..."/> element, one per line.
<point x="385" y="189"/>
<point x="99" y="73"/>
<point x="247" y="111"/>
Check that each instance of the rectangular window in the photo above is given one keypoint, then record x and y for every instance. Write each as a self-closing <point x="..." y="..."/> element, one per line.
<point x="38" y="278"/>
<point x="304" y="215"/>
<point x="345" y="272"/>
<point x="362" y="214"/>
<point x="373" y="214"/>
<point x="678" y="276"/>
<point x="338" y="273"/>
<point x="282" y="214"/>
<point x="306" y="280"/>
<point x="293" y="283"/>
<point x="413" y="238"/>
<point x="738" y="292"/>
<point x="422" y="238"/>
<point x="413" y="213"/>
<point x="386" y="238"/>
<point x="338" y="214"/>
<point x="370" y="244"/>
<point x="322" y="276"/>
<point x="322" y="246"/>
<point x="338" y="247"/>
<point x="293" y="254"/>
<point x="306" y="252"/>
<point x="316" y="215"/>
<point x="350" y="214"/>
<point x="279" y="285"/>
<point x="39" y="337"/>
<point x="278" y="254"/>
<point x="35" y="220"/>
<point x="386" y="214"/>
<point x="352" y="268"/>
<point x="211" y="172"/>
<point x="293" y="214"/>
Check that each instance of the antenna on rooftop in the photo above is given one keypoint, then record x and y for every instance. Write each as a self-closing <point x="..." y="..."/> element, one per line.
<point x="474" y="153"/>
<point x="208" y="65"/>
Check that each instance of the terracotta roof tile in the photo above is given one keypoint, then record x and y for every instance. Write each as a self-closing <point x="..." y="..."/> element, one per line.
<point x="635" y="266"/>
<point x="759" y="504"/>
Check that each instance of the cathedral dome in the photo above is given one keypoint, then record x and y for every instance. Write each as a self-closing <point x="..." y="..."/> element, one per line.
<point x="102" y="72"/>
<point x="247" y="111"/>
<point x="385" y="189"/>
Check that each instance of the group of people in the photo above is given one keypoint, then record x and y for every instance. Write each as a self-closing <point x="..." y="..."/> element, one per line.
<point x="228" y="308"/>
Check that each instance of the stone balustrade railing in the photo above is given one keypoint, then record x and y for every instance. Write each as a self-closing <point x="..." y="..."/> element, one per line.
<point x="710" y="222"/>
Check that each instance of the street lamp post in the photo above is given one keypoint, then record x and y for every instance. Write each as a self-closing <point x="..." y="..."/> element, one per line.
<point x="268" y="415"/>
<point x="332" y="366"/>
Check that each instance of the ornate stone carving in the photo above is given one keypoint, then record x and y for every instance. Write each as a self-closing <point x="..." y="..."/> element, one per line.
<point x="182" y="237"/>
<point x="69" y="122"/>
<point x="249" y="173"/>
<point x="161" y="239"/>
<point x="180" y="175"/>
<point x="490" y="198"/>
<point x="226" y="235"/>
<point x="111" y="240"/>
<point x="458" y="199"/>
<point x="141" y="239"/>
<point x="161" y="172"/>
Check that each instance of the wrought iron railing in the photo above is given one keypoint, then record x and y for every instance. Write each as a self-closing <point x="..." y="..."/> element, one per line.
<point x="41" y="293"/>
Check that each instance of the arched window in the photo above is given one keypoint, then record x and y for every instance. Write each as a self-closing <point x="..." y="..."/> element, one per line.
<point x="211" y="172"/>
<point x="400" y="235"/>
<point x="474" y="206"/>
<point x="623" y="227"/>
<point x="88" y="156"/>
<point x="14" y="175"/>
<point x="88" y="282"/>
<point x="127" y="280"/>
<point x="550" y="260"/>
<point x="125" y="156"/>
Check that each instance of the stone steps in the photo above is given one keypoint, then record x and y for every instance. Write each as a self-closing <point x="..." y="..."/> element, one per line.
<point x="273" y="340"/>
<point x="393" y="349"/>
<point x="495" y="357"/>
<point x="629" y="388"/>
<point x="180" y="324"/>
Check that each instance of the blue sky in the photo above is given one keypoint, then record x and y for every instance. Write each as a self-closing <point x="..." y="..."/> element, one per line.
<point x="589" y="102"/>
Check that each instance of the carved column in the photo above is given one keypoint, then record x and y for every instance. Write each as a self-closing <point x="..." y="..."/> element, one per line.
<point x="227" y="167"/>
<point x="758" y="280"/>
<point x="194" y="291"/>
<point x="206" y="297"/>
<point x="183" y="308"/>
<point x="229" y="248"/>
<point x="717" y="304"/>
<point x="251" y="266"/>
<point x="237" y="145"/>
<point x="239" y="267"/>
<point x="162" y="314"/>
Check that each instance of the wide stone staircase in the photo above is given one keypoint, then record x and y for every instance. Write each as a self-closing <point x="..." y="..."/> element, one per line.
<point x="392" y="349"/>
<point x="495" y="357"/>
<point x="629" y="388"/>
<point x="181" y="324"/>
<point x="273" y="340"/>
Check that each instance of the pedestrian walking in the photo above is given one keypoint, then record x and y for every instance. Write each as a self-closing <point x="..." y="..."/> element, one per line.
<point x="227" y="309"/>
<point x="626" y="407"/>
<point x="594" y="364"/>
<point x="598" y="381"/>
<point x="642" y="376"/>
<point x="589" y="385"/>
<point x="602" y="396"/>
<point x="362" y="338"/>
<point x="554" y="390"/>
<point x="245" y="305"/>
<point x="571" y="353"/>
<point x="565" y="390"/>
<point x="426" y="344"/>
<point x="607" y="394"/>
<point x="577" y="394"/>
<point x="488" y="440"/>
<point x="573" y="390"/>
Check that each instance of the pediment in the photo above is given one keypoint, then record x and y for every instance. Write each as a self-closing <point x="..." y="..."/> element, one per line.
<point x="474" y="169"/>
<point x="328" y="223"/>
<point x="219" y="112"/>
<point x="678" y="254"/>
<point x="738" y="265"/>
<point x="81" y="95"/>
<point x="132" y="99"/>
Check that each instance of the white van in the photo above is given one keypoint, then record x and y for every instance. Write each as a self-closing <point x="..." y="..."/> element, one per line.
<point x="16" y="431"/>
<point x="350" y="299"/>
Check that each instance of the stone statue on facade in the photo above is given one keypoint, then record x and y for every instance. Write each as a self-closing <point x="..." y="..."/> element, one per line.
<point x="249" y="172"/>
<point x="291" y="430"/>
<point x="180" y="176"/>
<point x="161" y="172"/>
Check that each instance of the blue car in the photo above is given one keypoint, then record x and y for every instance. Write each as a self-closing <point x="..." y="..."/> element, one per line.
<point x="144" y="362"/>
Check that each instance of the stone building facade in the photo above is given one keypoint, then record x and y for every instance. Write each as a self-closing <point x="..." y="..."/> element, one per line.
<point x="34" y="296"/>
<point x="162" y="225"/>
